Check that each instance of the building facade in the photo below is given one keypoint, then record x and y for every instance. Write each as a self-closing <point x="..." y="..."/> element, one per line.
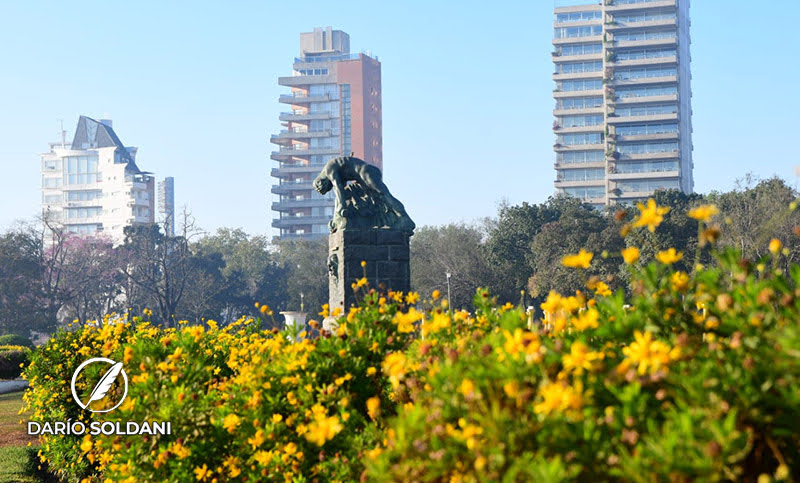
<point x="623" y="114"/>
<point x="334" y="109"/>
<point x="93" y="186"/>
<point x="166" y="204"/>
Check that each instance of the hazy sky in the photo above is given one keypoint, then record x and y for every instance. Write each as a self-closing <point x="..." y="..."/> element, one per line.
<point x="467" y="95"/>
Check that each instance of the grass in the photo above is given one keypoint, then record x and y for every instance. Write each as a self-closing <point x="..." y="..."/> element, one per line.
<point x="17" y="460"/>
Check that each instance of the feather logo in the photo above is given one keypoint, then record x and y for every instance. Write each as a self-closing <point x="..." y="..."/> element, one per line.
<point x="103" y="386"/>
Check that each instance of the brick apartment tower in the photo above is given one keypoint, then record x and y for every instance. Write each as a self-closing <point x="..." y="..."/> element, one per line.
<point x="623" y="114"/>
<point x="335" y="109"/>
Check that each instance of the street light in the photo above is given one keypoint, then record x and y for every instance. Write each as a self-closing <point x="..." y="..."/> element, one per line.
<point x="301" y="301"/>
<point x="449" y="304"/>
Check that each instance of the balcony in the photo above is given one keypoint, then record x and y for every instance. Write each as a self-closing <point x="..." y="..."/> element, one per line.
<point x="578" y="40"/>
<point x="574" y="184"/>
<point x="671" y="79"/>
<point x="308" y="116"/>
<point x="591" y="93"/>
<point x="285" y="137"/>
<point x="300" y="99"/>
<point x="650" y="137"/>
<point x="649" y="156"/>
<point x="645" y="99"/>
<point x="645" y="175"/>
<point x="566" y="130"/>
<point x="617" y="26"/>
<point x="632" y="119"/>
<point x="591" y="164"/>
<point x="667" y="41"/>
<point x="305" y="203"/>
<point x="667" y="60"/>
<point x="578" y="75"/>
<point x="306" y="80"/>
<point x="287" y="170"/>
<point x="572" y="112"/>
<point x="286" y="153"/>
<point x="578" y="147"/>
<point x="287" y="222"/>
<point x="289" y="187"/>
<point x="624" y="7"/>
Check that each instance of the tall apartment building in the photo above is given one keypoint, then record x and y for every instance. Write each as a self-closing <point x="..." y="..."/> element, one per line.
<point x="93" y="185"/>
<point x="334" y="109"/>
<point x="166" y="204"/>
<point x="623" y="99"/>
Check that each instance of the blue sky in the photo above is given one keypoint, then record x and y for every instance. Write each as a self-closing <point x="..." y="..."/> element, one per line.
<point x="466" y="95"/>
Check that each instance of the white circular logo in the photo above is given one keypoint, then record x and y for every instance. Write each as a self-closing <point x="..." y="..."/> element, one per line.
<point x="103" y="385"/>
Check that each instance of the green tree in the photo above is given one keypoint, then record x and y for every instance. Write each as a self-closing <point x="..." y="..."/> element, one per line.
<point x="456" y="249"/>
<point x="305" y="265"/>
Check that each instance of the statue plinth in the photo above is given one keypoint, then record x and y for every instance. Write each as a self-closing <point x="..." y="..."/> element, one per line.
<point x="369" y="225"/>
<point x="386" y="253"/>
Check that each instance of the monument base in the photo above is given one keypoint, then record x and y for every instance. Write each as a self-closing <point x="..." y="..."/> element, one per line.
<point x="386" y="253"/>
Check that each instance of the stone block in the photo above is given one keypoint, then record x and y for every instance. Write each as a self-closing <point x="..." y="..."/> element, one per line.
<point x="391" y="237"/>
<point x="399" y="253"/>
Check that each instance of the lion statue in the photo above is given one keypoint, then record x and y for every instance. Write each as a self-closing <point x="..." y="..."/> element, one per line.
<point x="362" y="199"/>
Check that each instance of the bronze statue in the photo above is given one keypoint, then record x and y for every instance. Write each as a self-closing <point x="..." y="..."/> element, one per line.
<point x="362" y="199"/>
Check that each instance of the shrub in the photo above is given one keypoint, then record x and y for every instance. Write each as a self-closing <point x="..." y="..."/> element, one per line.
<point x="14" y="339"/>
<point x="12" y="359"/>
<point x="690" y="376"/>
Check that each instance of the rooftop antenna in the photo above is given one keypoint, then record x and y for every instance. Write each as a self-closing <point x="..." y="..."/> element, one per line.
<point x="63" y="135"/>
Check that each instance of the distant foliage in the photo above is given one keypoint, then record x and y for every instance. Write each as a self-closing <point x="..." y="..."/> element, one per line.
<point x="14" y="339"/>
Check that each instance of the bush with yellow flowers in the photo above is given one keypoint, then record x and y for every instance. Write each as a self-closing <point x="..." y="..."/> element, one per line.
<point x="684" y="376"/>
<point x="689" y="377"/>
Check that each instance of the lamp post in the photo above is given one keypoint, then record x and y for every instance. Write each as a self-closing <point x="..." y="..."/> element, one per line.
<point x="449" y="304"/>
<point x="301" y="301"/>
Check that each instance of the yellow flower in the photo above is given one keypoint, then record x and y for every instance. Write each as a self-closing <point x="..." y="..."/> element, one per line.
<point x="86" y="445"/>
<point x="651" y="215"/>
<point x="580" y="358"/>
<point x="263" y="457"/>
<point x="648" y="354"/>
<point x="412" y="297"/>
<point x="775" y="246"/>
<point x="405" y="321"/>
<point x="438" y="322"/>
<point x="602" y="289"/>
<point x="127" y="355"/>
<point x="436" y="294"/>
<point x="668" y="257"/>
<point x="374" y="453"/>
<point x="231" y="422"/>
<point x="277" y="418"/>
<point x="373" y="407"/>
<point x="323" y="428"/>
<point x="363" y="263"/>
<point x="703" y="212"/>
<point x="466" y="388"/>
<point x="586" y="319"/>
<point x="679" y="281"/>
<point x="180" y="450"/>
<point x="581" y="260"/>
<point x="558" y="397"/>
<point x="257" y="439"/>
<point x="394" y="367"/>
<point x="371" y="371"/>
<point x="630" y="255"/>
<point x="201" y="472"/>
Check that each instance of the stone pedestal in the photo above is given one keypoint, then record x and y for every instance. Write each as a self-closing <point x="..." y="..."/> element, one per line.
<point x="386" y="253"/>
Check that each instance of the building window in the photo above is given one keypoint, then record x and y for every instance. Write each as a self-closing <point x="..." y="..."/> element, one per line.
<point x="586" y="174"/>
<point x="642" y="148"/>
<point x="645" y="54"/>
<point x="579" y="85"/>
<point x="624" y="92"/>
<point x="580" y="138"/>
<point x="645" y="129"/>
<point x="646" y="186"/>
<point x="585" y="192"/>
<point x="584" y="31"/>
<point x="81" y="170"/>
<point x="568" y="103"/>
<point x="346" y="120"/>
<point x="581" y="121"/>
<point x="580" y="49"/>
<point x="646" y="72"/>
<point x="578" y="16"/>
<point x="637" y="35"/>
<point x="577" y="67"/>
<point x="579" y="157"/>
<point x="647" y="167"/>
<point x="649" y="110"/>
<point x="651" y="16"/>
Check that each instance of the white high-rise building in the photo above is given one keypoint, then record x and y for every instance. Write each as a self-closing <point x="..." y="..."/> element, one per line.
<point x="623" y="113"/>
<point x="93" y="186"/>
